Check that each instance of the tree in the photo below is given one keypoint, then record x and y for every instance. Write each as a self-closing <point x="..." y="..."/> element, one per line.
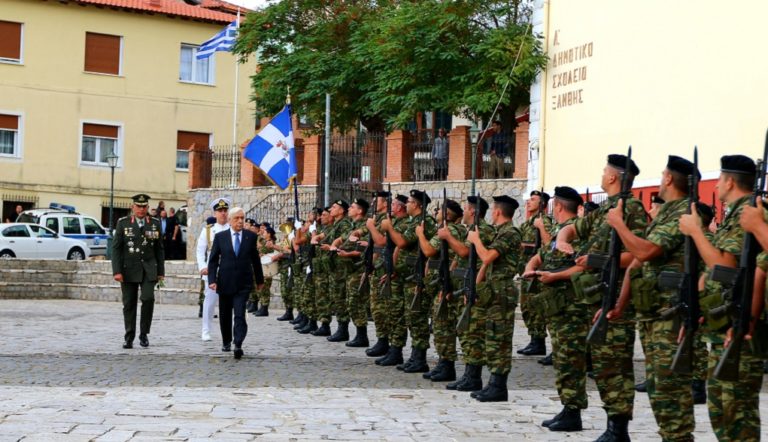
<point x="383" y="61"/>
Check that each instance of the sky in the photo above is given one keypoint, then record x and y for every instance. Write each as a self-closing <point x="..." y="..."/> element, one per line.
<point x="250" y="4"/>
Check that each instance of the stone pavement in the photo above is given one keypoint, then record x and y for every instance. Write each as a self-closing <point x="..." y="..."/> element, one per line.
<point x="64" y="376"/>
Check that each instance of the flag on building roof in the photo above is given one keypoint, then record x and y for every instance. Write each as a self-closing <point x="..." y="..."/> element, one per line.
<point x="223" y="41"/>
<point x="271" y="150"/>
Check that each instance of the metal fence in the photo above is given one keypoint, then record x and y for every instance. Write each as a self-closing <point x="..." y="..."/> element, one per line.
<point x="425" y="166"/>
<point x="492" y="167"/>
<point x="221" y="166"/>
<point x="357" y="166"/>
<point x="277" y="207"/>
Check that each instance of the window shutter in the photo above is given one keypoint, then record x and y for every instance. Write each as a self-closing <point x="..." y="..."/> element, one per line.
<point x="9" y="122"/>
<point x="185" y="140"/>
<point x="99" y="130"/>
<point x="10" y="40"/>
<point x="102" y="53"/>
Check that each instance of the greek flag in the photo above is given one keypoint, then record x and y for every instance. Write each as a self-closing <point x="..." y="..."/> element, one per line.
<point x="271" y="150"/>
<point x="223" y="41"/>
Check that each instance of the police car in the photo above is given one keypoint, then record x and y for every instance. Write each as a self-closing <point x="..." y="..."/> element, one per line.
<point x="67" y="222"/>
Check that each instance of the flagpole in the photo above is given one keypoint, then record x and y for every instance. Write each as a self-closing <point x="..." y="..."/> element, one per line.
<point x="234" y="109"/>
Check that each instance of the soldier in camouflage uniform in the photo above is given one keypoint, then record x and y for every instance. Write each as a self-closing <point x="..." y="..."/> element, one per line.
<point x="340" y="229"/>
<point x="568" y="319"/>
<point x="263" y="295"/>
<point x="660" y="249"/>
<point x="398" y="331"/>
<point x="473" y="340"/>
<point x="378" y="302"/>
<point x="350" y="259"/>
<point x="322" y="273"/>
<point x="443" y="318"/>
<point x="537" y="220"/>
<point x="416" y="310"/>
<point x="733" y="405"/>
<point x="309" y="269"/>
<point x="612" y="361"/>
<point x="497" y="293"/>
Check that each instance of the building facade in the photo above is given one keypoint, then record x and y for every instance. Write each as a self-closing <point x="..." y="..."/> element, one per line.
<point x="81" y="79"/>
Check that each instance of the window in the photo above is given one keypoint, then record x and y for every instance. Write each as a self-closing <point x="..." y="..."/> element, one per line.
<point x="9" y="135"/>
<point x="99" y="140"/>
<point x="184" y="141"/>
<point x="102" y="53"/>
<point x="40" y="232"/>
<point x="53" y="224"/>
<point x="193" y="70"/>
<point x="10" y="41"/>
<point x="92" y="227"/>
<point x="71" y="225"/>
<point x="16" y="232"/>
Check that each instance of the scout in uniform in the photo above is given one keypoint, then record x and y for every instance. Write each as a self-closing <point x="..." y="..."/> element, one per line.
<point x="220" y="207"/>
<point x="138" y="262"/>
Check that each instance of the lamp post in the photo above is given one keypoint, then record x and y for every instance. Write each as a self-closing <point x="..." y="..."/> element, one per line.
<point x="473" y="136"/>
<point x="112" y="162"/>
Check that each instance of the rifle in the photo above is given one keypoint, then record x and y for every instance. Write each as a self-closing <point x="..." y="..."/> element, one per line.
<point x="743" y="280"/>
<point x="714" y="206"/>
<point x="291" y="262"/>
<point x="686" y="283"/>
<point x="389" y="250"/>
<point x="470" y="280"/>
<point x="421" y="261"/>
<point x="365" y="282"/>
<point x="610" y="266"/>
<point x="444" y="273"/>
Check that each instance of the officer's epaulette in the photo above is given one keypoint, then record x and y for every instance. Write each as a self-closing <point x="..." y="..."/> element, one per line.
<point x="125" y="217"/>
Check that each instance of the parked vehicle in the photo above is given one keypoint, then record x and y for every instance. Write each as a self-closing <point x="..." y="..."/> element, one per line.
<point x="67" y="222"/>
<point x="26" y="240"/>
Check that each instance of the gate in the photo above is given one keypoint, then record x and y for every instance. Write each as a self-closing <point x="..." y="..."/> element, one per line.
<point x="357" y="166"/>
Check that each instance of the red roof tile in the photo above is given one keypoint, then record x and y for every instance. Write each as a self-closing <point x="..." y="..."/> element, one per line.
<point x="206" y="11"/>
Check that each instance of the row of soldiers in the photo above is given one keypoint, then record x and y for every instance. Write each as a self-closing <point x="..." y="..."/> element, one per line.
<point x="325" y="269"/>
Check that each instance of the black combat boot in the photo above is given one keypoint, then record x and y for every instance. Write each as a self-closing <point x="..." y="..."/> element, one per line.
<point x="309" y="327"/>
<point x="200" y="312"/>
<point x="446" y="371"/>
<point x="437" y="368"/>
<point x="472" y="380"/>
<point x="323" y="330"/>
<point x="546" y="360"/>
<point x="250" y="306"/>
<point x="461" y="380"/>
<point x="287" y="316"/>
<point x="419" y="364"/>
<point x="299" y="318"/>
<point x="616" y="430"/>
<point x="262" y="311"/>
<point x="537" y="347"/>
<point x="407" y="363"/>
<point x="497" y="390"/>
<point x="699" y="392"/>
<point x="361" y="339"/>
<point x="557" y="417"/>
<point x="394" y="356"/>
<point x="642" y="387"/>
<point x="521" y="351"/>
<point x="298" y="325"/>
<point x="341" y="334"/>
<point x="569" y="421"/>
<point x="380" y="348"/>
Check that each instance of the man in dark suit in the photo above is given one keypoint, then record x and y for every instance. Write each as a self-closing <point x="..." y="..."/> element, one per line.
<point x="169" y="229"/>
<point x="138" y="262"/>
<point x="233" y="266"/>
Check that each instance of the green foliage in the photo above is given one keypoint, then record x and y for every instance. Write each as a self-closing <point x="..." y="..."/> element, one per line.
<point x="383" y="61"/>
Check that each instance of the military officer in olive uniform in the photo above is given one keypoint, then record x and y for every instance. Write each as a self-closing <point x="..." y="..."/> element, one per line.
<point x="138" y="262"/>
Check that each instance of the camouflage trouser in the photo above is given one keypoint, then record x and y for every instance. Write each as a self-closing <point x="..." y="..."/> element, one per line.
<point x="322" y="285"/>
<point x="417" y="316"/>
<point x="297" y="293"/>
<point x="396" y="313"/>
<point x="356" y="304"/>
<point x="379" y="305"/>
<point x="668" y="391"/>
<point x="308" y="296"/>
<point x="444" y="327"/>
<point x="262" y="296"/>
<point x="700" y="355"/>
<point x="534" y="321"/>
<point x="569" y="331"/>
<point x="338" y="289"/>
<point x="734" y="407"/>
<point x="500" y="300"/>
<point x="613" y="367"/>
<point x="285" y="293"/>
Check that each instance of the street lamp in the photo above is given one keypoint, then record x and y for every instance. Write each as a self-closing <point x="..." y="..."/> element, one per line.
<point x="474" y="134"/>
<point x="112" y="162"/>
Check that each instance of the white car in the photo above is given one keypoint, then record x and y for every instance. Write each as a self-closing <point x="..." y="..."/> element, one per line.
<point x="25" y="240"/>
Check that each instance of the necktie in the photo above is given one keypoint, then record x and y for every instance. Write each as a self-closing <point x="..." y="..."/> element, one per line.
<point x="237" y="243"/>
<point x="141" y="224"/>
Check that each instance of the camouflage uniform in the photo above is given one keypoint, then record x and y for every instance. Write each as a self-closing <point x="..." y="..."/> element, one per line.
<point x="733" y="406"/>
<point x="287" y="293"/>
<point x="396" y="304"/>
<point x="299" y="281"/>
<point x="535" y="323"/>
<point x="338" y="271"/>
<point x="321" y="278"/>
<point x="262" y="296"/>
<point x="568" y="322"/>
<point x="356" y="303"/>
<point x="444" y="327"/>
<point x="700" y="351"/>
<point x="499" y="296"/>
<point x="379" y="304"/>
<point x="612" y="361"/>
<point x="669" y="392"/>
<point x="417" y="316"/>
<point x="473" y="340"/>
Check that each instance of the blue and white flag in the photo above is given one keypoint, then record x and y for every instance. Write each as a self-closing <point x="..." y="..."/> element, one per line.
<point x="271" y="150"/>
<point x="223" y="41"/>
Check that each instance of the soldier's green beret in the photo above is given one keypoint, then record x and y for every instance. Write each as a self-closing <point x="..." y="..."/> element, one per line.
<point x="619" y="161"/>
<point x="454" y="207"/>
<point x="568" y="194"/>
<point x="420" y="196"/>
<point x="141" y="199"/>
<point x="504" y="199"/>
<point x="737" y="164"/>
<point x="383" y="194"/>
<point x="361" y="203"/>
<point x="681" y="165"/>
